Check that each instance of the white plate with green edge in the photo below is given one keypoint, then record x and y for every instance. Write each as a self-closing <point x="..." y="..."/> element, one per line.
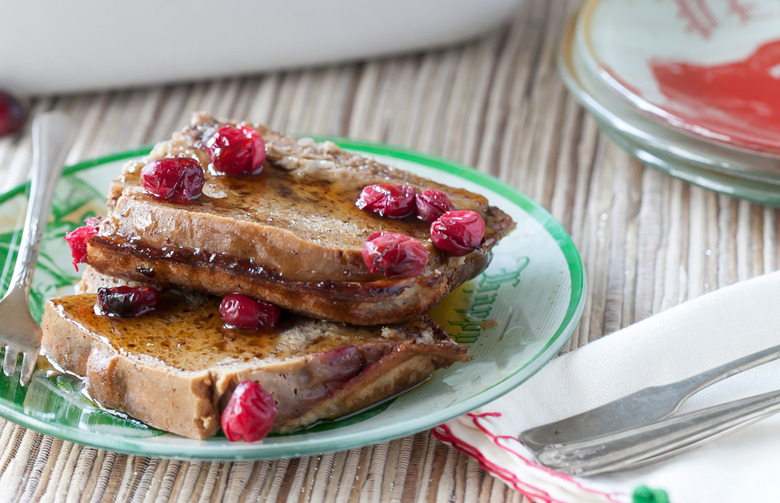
<point x="514" y="317"/>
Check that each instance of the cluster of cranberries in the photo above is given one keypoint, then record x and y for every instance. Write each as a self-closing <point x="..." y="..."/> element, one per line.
<point x="400" y="201"/>
<point x="453" y="232"/>
<point x="232" y="150"/>
<point x="251" y="410"/>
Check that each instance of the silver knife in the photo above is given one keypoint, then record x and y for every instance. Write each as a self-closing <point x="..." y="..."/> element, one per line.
<point x="638" y="409"/>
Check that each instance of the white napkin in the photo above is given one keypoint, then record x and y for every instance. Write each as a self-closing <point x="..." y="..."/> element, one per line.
<point x="739" y="466"/>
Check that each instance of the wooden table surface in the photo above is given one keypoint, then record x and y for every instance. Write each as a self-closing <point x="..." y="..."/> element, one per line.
<point x="648" y="241"/>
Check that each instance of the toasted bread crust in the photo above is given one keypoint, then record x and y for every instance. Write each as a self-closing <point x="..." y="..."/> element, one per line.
<point x="361" y="303"/>
<point x="124" y="384"/>
<point x="294" y="227"/>
<point x="314" y="370"/>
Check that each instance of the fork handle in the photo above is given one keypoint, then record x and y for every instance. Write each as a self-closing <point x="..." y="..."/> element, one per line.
<point x="53" y="134"/>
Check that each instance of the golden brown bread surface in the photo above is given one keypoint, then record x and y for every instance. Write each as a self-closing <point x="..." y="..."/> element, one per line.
<point x="291" y="235"/>
<point x="175" y="368"/>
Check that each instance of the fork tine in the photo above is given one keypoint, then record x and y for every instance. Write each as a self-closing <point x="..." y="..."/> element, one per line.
<point x="52" y="136"/>
<point x="9" y="362"/>
<point x="29" y="359"/>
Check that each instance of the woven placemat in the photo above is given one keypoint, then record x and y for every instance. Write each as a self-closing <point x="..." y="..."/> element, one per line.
<point x="648" y="241"/>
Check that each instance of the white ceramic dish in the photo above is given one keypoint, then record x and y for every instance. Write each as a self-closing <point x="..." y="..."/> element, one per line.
<point x="54" y="47"/>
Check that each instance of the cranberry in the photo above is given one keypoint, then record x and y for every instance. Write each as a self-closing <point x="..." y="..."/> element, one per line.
<point x="394" y="201"/>
<point x="236" y="150"/>
<point x="12" y="114"/>
<point x="174" y="179"/>
<point x="77" y="240"/>
<point x="458" y="232"/>
<point x="394" y="254"/>
<point x="127" y="301"/>
<point x="240" y="311"/>
<point x="249" y="414"/>
<point x="432" y="204"/>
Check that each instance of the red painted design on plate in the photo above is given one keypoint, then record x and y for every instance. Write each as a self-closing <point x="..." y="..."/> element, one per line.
<point x="737" y="102"/>
<point x="740" y="10"/>
<point x="700" y="18"/>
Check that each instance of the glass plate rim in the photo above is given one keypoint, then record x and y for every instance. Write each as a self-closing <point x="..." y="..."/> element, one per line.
<point x="576" y="303"/>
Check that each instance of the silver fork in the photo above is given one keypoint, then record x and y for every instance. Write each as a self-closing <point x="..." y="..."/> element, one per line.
<point x="640" y="428"/>
<point x="53" y="135"/>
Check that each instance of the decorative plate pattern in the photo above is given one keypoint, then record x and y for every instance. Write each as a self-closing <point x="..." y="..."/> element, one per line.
<point x="709" y="68"/>
<point x="514" y="317"/>
<point x="711" y="165"/>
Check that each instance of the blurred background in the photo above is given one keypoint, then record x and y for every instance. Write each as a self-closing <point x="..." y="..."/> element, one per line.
<point x="55" y="48"/>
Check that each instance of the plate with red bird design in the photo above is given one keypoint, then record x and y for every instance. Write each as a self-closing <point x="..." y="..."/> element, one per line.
<point x="706" y="68"/>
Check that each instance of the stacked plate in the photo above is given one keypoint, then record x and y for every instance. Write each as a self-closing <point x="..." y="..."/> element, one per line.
<point x="691" y="87"/>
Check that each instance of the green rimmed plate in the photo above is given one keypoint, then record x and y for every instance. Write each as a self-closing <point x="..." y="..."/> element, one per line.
<point x="514" y="317"/>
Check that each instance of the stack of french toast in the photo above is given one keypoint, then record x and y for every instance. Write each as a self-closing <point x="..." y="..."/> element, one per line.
<point x="255" y="282"/>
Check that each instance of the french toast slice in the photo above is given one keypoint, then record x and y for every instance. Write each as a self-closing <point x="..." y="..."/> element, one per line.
<point x="176" y="367"/>
<point x="291" y="235"/>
